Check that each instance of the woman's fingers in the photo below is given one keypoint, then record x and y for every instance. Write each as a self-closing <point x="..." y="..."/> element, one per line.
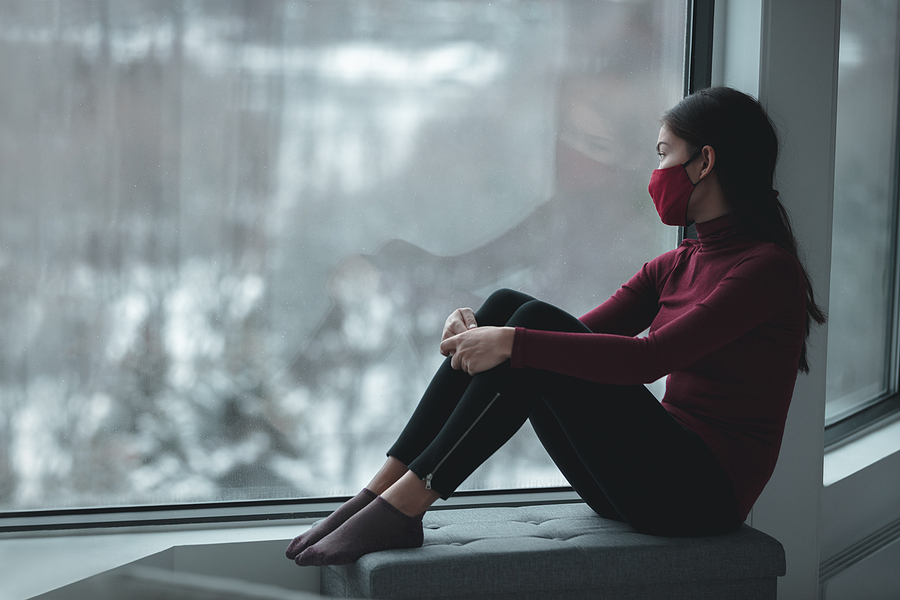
<point x="456" y="361"/>
<point x="448" y="345"/>
<point x="459" y="321"/>
<point x="479" y="349"/>
<point x="468" y="317"/>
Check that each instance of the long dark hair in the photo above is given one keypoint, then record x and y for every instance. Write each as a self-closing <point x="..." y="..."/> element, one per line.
<point x="746" y="145"/>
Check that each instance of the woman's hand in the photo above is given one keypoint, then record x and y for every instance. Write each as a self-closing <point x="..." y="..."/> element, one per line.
<point x="478" y="349"/>
<point x="460" y="320"/>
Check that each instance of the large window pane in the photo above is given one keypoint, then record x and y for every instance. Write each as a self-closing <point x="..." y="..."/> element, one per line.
<point x="231" y="231"/>
<point x="865" y="199"/>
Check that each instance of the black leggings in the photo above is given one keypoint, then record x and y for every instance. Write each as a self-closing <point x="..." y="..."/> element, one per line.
<point x="616" y="445"/>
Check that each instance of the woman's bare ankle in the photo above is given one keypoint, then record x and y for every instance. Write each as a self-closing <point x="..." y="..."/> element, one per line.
<point x="388" y="475"/>
<point x="409" y="495"/>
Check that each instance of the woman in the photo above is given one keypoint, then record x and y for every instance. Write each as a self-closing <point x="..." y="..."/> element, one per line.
<point x="729" y="315"/>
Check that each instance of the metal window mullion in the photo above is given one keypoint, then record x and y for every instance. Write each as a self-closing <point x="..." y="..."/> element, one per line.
<point x="698" y="55"/>
<point x="892" y="377"/>
<point x="699" y="65"/>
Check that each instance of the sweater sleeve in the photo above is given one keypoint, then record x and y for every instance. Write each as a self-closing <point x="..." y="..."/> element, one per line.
<point x="633" y="307"/>
<point x="753" y="291"/>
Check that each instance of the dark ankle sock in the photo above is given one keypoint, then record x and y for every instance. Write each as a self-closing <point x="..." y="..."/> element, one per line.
<point x="330" y="523"/>
<point x="379" y="526"/>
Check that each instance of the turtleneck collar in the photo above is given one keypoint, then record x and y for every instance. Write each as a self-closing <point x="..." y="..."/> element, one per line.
<point x="719" y="232"/>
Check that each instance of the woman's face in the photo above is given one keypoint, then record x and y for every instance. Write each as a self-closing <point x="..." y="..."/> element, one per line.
<point x="672" y="150"/>
<point x="706" y="201"/>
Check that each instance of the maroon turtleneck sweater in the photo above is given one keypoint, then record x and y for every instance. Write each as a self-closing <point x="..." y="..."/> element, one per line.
<point x="727" y="320"/>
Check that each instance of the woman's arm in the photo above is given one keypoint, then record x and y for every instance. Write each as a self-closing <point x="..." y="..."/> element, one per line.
<point x="628" y="312"/>
<point x="633" y="307"/>
<point x="631" y="310"/>
<point x="753" y="292"/>
<point x="475" y="349"/>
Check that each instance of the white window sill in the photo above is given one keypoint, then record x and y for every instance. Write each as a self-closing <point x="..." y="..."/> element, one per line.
<point x="860" y="452"/>
<point x="46" y="561"/>
<point x="39" y="564"/>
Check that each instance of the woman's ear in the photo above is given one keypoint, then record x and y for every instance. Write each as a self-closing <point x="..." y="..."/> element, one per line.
<point x="707" y="160"/>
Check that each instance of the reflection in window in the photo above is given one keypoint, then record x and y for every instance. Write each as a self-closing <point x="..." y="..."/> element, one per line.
<point x="865" y="203"/>
<point x="231" y="231"/>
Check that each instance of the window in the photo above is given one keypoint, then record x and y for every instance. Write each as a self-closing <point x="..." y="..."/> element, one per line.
<point x="231" y="231"/>
<point x="862" y="353"/>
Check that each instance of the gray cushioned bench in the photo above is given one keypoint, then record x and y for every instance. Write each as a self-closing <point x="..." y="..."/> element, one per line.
<point x="560" y="551"/>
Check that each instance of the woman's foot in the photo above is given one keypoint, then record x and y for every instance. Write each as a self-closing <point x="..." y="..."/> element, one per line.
<point x="330" y="523"/>
<point x="378" y="526"/>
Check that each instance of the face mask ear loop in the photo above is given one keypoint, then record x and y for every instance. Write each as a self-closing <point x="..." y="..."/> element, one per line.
<point x="689" y="161"/>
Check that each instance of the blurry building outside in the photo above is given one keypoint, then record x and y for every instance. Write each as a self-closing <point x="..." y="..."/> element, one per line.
<point x="230" y="231"/>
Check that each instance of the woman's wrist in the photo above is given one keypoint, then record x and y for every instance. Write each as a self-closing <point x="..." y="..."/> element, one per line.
<point x="508" y="339"/>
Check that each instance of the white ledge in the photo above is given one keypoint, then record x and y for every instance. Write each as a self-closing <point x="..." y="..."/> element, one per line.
<point x="861" y="451"/>
<point x="36" y="565"/>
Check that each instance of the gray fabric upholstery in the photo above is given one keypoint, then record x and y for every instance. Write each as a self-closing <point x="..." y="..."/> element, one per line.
<point x="560" y="551"/>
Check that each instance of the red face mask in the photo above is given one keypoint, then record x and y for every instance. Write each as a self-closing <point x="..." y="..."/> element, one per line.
<point x="671" y="190"/>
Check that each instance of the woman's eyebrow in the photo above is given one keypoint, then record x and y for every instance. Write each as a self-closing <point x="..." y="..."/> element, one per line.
<point x="658" y="144"/>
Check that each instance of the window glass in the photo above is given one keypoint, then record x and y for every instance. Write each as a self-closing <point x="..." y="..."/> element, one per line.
<point x="865" y="200"/>
<point x="232" y="230"/>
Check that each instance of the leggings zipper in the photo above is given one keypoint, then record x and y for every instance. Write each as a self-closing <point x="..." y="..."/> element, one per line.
<point x="461" y="438"/>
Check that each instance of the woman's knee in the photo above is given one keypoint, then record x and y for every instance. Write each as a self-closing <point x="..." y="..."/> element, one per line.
<point x="507" y="298"/>
<point x="500" y="306"/>
<point x="540" y="315"/>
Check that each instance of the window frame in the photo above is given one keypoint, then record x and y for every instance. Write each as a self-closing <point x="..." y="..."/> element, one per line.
<point x="875" y="410"/>
<point x="240" y="512"/>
